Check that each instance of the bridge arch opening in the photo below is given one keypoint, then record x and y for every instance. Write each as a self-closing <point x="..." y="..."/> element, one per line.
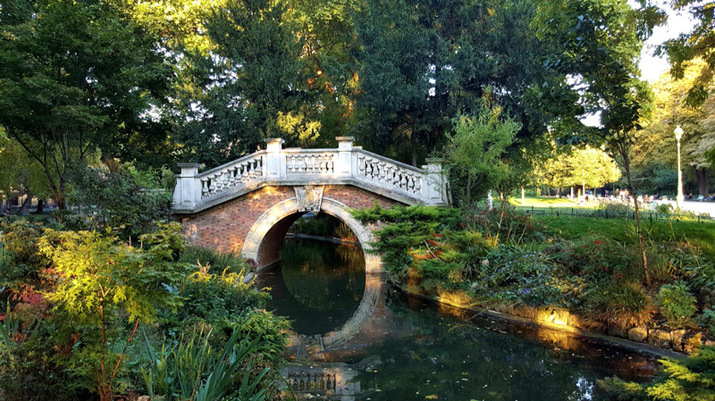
<point x="263" y="246"/>
<point x="265" y="238"/>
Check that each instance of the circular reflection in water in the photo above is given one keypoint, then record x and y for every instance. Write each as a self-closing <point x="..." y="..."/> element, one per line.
<point x="317" y="285"/>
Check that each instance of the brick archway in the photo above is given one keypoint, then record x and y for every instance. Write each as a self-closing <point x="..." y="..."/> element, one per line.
<point x="263" y="242"/>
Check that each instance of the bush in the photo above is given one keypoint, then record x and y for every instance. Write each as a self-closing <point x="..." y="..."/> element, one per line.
<point x="707" y="320"/>
<point x="676" y="304"/>
<point x="620" y="303"/>
<point x="501" y="225"/>
<point x="212" y="260"/>
<point x="21" y="264"/>
<point x="517" y="274"/>
<point x="613" y="209"/>
<point x="118" y="200"/>
<point x="32" y="366"/>
<point x="692" y="379"/>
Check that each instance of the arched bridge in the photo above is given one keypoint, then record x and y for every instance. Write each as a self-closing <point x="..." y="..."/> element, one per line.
<point x="246" y="206"/>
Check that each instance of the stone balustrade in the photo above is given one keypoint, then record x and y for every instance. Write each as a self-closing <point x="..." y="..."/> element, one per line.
<point x="346" y="165"/>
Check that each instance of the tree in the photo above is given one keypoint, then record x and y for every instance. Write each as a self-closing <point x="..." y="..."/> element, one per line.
<point x="656" y="144"/>
<point x="474" y="154"/>
<point x="252" y="85"/>
<point x="76" y="78"/>
<point x="590" y="167"/>
<point x="698" y="44"/>
<point x="422" y="63"/>
<point x="601" y="42"/>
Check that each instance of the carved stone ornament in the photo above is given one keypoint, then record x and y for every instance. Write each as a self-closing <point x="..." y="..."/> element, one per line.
<point x="309" y="198"/>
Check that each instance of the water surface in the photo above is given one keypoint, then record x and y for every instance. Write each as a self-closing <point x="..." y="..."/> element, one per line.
<point x="412" y="350"/>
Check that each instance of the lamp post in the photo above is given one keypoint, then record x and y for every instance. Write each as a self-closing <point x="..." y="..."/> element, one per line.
<point x="679" y="198"/>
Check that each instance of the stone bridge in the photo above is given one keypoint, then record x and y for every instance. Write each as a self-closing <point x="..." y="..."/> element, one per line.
<point x="246" y="206"/>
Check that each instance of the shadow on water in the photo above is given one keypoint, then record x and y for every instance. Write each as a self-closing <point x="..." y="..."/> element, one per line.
<point x="408" y="349"/>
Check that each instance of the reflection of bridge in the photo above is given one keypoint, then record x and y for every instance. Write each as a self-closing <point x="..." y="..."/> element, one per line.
<point x="246" y="206"/>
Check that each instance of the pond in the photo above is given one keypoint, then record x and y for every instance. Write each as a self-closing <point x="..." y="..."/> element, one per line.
<point x="408" y="349"/>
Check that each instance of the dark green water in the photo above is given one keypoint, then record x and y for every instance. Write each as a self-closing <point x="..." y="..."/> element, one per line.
<point x="412" y="350"/>
<point x="318" y="285"/>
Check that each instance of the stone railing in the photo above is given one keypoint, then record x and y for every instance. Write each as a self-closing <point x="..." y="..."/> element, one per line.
<point x="346" y="165"/>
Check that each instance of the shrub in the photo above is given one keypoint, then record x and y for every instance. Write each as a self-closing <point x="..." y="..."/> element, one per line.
<point x="707" y="320"/>
<point x="501" y="225"/>
<point x="676" y="304"/>
<point x="22" y="266"/>
<point x="620" y="303"/>
<point x="212" y="260"/>
<point x="33" y="359"/>
<point x="119" y="200"/>
<point x="101" y="283"/>
<point x="613" y="209"/>
<point x="688" y="380"/>
<point x="517" y="274"/>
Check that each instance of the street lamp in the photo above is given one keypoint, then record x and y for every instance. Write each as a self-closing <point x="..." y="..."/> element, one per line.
<point x="679" y="198"/>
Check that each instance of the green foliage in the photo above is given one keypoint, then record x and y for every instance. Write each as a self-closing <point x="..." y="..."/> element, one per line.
<point x="21" y="263"/>
<point x="676" y="304"/>
<point x="32" y="364"/>
<point x="622" y="303"/>
<point x="474" y="153"/>
<point x="692" y="379"/>
<point x="101" y="283"/>
<point x="217" y="298"/>
<point x="78" y="77"/>
<point x="212" y="260"/>
<point x="191" y="370"/>
<point x="118" y="200"/>
<point x="503" y="224"/>
<point x="513" y="274"/>
<point x="707" y="320"/>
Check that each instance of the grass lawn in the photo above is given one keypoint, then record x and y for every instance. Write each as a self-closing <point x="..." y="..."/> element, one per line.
<point x="550" y="202"/>
<point x="701" y="234"/>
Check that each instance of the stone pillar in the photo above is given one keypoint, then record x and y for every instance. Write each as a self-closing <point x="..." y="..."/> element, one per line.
<point x="434" y="190"/>
<point x="187" y="193"/>
<point x="343" y="166"/>
<point x="275" y="160"/>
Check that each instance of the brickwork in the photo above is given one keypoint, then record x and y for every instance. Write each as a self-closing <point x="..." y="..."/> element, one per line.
<point x="224" y="227"/>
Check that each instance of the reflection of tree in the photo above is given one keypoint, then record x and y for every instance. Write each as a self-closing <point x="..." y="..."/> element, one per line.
<point x="323" y="276"/>
<point x="459" y="360"/>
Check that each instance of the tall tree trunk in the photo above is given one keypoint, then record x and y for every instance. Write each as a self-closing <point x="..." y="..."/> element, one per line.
<point x="702" y="176"/>
<point x="40" y="206"/>
<point x="639" y="231"/>
<point x="413" y="144"/>
<point x="25" y="203"/>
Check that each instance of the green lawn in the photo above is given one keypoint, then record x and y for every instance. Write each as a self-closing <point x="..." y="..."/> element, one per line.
<point x="701" y="234"/>
<point x="550" y="203"/>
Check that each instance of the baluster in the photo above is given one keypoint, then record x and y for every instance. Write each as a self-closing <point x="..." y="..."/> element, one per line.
<point x="361" y="164"/>
<point x="259" y="170"/>
<point x="212" y="186"/>
<point x="418" y="184"/>
<point x="291" y="164"/>
<point x="224" y="180"/>
<point x="204" y="187"/>
<point x="382" y="171"/>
